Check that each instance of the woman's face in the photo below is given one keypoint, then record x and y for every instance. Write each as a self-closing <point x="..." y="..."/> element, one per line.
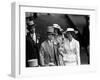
<point x="69" y="36"/>
<point x="59" y="39"/>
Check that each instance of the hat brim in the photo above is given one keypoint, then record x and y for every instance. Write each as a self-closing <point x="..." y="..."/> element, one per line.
<point x="76" y="32"/>
<point x="31" y="26"/>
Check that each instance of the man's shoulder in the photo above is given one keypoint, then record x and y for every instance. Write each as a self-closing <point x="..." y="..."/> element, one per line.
<point x="28" y="38"/>
<point x="37" y="34"/>
<point x="44" y="43"/>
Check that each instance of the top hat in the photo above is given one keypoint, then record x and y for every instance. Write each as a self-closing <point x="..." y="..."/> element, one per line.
<point x="30" y="24"/>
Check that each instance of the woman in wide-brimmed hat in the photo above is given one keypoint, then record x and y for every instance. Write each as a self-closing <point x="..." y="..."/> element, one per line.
<point x="71" y="49"/>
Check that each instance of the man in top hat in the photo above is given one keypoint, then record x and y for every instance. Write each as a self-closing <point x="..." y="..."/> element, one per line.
<point x="32" y="51"/>
<point x="71" y="48"/>
<point x="48" y="51"/>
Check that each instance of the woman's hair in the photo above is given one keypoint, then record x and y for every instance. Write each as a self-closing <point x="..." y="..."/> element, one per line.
<point x="57" y="31"/>
<point x="71" y="32"/>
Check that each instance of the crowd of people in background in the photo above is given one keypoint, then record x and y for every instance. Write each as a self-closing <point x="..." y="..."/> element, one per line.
<point x="59" y="49"/>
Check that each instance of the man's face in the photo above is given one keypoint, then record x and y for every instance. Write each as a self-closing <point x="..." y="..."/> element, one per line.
<point x="50" y="36"/>
<point x="32" y="30"/>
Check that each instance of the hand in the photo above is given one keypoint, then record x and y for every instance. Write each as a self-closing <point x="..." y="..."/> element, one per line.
<point x="51" y="64"/>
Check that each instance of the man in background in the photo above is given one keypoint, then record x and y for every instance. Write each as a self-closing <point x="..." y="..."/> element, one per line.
<point x="32" y="50"/>
<point x="48" y="51"/>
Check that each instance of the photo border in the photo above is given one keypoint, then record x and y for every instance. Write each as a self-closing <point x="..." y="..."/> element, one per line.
<point x="16" y="43"/>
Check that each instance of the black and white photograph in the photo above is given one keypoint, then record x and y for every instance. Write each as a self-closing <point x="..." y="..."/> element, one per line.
<point x="52" y="40"/>
<point x="56" y="39"/>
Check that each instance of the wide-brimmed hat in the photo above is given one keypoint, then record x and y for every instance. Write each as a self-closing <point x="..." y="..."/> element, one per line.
<point x="71" y="30"/>
<point x="50" y="30"/>
<point x="57" y="27"/>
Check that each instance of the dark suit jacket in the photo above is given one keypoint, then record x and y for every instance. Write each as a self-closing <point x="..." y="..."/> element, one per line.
<point x="32" y="49"/>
